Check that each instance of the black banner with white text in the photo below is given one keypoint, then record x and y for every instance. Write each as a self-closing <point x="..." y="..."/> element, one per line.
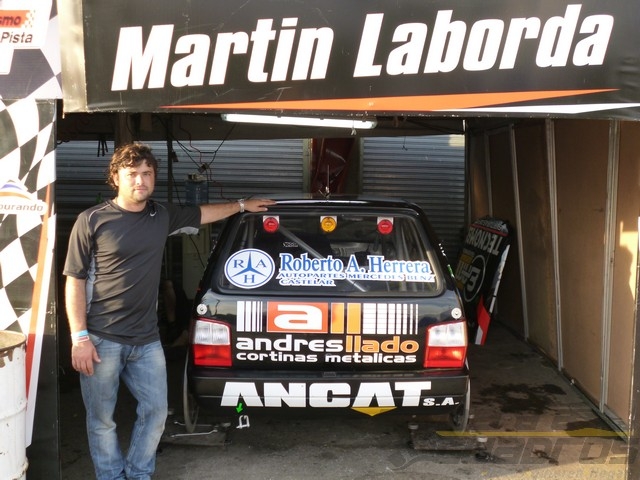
<point x="496" y="57"/>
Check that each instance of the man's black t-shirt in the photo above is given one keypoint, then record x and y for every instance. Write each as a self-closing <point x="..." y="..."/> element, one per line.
<point x="119" y="253"/>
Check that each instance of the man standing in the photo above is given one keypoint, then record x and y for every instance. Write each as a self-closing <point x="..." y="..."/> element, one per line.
<point x="113" y="271"/>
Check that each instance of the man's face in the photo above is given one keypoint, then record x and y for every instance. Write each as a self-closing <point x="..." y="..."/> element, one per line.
<point x="135" y="184"/>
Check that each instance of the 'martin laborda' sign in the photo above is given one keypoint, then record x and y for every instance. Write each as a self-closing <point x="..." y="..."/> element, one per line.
<point x="404" y="56"/>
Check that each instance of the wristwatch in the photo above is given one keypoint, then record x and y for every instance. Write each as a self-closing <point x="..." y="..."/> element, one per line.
<point x="241" y="203"/>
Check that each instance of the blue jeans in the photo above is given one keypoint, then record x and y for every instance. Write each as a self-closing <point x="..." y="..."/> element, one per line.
<point x="143" y="371"/>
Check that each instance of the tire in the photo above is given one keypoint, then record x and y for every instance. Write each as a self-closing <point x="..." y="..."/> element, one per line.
<point x="459" y="419"/>
<point x="189" y="406"/>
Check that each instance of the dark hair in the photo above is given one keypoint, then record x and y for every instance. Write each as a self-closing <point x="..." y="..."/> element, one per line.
<point x="130" y="155"/>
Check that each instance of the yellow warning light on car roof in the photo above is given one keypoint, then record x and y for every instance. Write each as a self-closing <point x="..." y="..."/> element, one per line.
<point x="328" y="223"/>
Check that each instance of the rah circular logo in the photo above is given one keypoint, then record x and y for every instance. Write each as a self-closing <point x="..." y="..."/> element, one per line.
<point x="250" y="268"/>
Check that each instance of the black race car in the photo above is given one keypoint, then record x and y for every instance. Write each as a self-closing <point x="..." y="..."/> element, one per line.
<point x="328" y="304"/>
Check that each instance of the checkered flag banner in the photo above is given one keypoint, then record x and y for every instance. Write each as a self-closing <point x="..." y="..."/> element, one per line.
<point x="27" y="227"/>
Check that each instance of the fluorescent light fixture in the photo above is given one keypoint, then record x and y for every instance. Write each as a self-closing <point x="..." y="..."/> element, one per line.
<point x="300" y="121"/>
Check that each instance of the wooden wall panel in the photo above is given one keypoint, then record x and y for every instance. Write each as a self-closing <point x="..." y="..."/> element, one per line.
<point x="581" y="168"/>
<point x="624" y="274"/>
<point x="537" y="246"/>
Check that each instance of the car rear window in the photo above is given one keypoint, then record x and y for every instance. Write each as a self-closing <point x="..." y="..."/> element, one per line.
<point x="325" y="253"/>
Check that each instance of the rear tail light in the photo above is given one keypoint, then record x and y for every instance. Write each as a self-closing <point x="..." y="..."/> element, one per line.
<point x="446" y="345"/>
<point x="211" y="344"/>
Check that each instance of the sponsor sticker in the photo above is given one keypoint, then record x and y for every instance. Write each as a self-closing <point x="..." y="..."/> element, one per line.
<point x="352" y="333"/>
<point x="249" y="268"/>
<point x="16" y="199"/>
<point x="23" y="25"/>
<point x="305" y="270"/>
<point x="383" y="395"/>
<point x="252" y="268"/>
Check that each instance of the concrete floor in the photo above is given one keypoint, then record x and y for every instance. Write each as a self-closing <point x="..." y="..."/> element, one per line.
<point x="527" y="422"/>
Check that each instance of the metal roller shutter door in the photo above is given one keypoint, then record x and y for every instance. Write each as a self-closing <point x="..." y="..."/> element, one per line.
<point x="429" y="171"/>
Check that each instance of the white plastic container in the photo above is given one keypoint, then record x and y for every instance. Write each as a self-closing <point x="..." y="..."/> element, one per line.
<point x="13" y="460"/>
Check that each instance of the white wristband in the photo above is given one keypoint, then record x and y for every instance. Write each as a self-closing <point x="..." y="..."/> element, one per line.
<point x="241" y="203"/>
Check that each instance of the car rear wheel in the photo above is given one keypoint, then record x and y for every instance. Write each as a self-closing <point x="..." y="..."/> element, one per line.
<point x="189" y="406"/>
<point x="459" y="419"/>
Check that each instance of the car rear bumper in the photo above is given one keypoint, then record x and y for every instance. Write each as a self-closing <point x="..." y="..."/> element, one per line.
<point x="231" y="392"/>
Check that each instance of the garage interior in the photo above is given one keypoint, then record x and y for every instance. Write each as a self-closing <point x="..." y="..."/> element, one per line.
<point x="538" y="132"/>
<point x="570" y="187"/>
